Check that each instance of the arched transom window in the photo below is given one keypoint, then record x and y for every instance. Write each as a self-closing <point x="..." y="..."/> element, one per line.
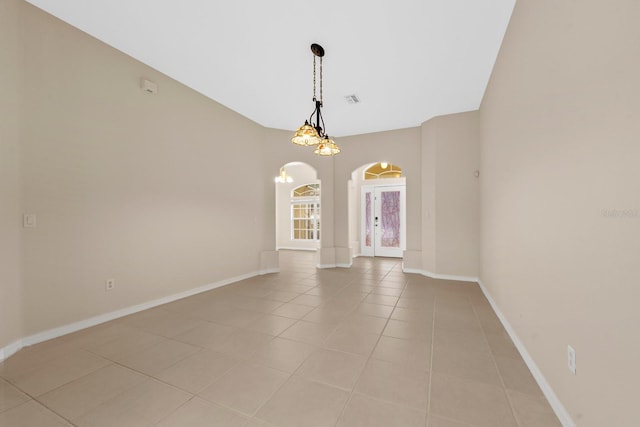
<point x="383" y="170"/>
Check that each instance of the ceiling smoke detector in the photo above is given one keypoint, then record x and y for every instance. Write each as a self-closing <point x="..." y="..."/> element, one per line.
<point x="352" y="99"/>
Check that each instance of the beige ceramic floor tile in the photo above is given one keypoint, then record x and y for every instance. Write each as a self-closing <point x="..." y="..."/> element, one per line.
<point x="387" y="291"/>
<point x="242" y="343"/>
<point x="408" y="330"/>
<point x="460" y="340"/>
<point x="31" y="358"/>
<point x="145" y="404"/>
<point x="533" y="411"/>
<point x="198" y="371"/>
<point x="159" y="356"/>
<point x="473" y="402"/>
<point x="161" y="322"/>
<point x="310" y="300"/>
<point x="475" y="366"/>
<point x="200" y="413"/>
<point x="240" y="318"/>
<point x="362" y="411"/>
<point x="381" y="299"/>
<point x="416" y="303"/>
<point x="377" y="310"/>
<point x="59" y="371"/>
<point x="457" y="319"/>
<point x="394" y="383"/>
<point x="255" y="422"/>
<point x="435" y="421"/>
<point x="79" y="396"/>
<point x="415" y="354"/>
<point x="411" y="315"/>
<point x="502" y="346"/>
<point x="205" y="334"/>
<point x="283" y="354"/>
<point x="304" y="403"/>
<point x="292" y="311"/>
<point x="516" y="376"/>
<point x="31" y="414"/>
<point x="309" y="332"/>
<point x="272" y="325"/>
<point x="95" y="336"/>
<point x="245" y="388"/>
<point x="282" y="296"/>
<point x="349" y="341"/>
<point x="128" y="340"/>
<point x="333" y="368"/>
<point x="327" y="315"/>
<point x="10" y="396"/>
<point x="363" y="324"/>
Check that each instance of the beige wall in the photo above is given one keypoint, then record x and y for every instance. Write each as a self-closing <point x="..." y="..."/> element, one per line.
<point x="154" y="191"/>
<point x="10" y="201"/>
<point x="450" y="150"/>
<point x="560" y="152"/>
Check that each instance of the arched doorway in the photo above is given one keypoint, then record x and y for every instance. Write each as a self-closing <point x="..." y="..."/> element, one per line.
<point x="378" y="210"/>
<point x="297" y="207"/>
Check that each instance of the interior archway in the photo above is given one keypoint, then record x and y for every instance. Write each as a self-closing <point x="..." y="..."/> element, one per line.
<point x="298" y="212"/>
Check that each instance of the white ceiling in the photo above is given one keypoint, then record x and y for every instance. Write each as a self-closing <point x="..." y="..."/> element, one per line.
<point x="407" y="60"/>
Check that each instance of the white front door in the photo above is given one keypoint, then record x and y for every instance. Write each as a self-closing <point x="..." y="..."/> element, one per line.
<point x="383" y="221"/>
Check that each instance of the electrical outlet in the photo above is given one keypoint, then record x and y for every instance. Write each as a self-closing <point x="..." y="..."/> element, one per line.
<point x="109" y="284"/>
<point x="571" y="359"/>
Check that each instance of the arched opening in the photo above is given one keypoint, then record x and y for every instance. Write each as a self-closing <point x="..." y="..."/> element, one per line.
<point x="297" y="207"/>
<point x="377" y="210"/>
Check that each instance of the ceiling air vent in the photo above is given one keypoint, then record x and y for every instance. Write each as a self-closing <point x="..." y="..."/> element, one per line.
<point x="352" y="99"/>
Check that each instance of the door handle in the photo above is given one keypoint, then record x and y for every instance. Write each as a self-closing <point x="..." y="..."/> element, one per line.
<point x="376" y="222"/>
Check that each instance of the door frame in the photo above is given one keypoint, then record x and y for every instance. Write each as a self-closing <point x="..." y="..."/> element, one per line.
<point x="374" y="249"/>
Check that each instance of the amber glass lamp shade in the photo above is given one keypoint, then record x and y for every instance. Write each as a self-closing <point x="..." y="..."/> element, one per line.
<point x="327" y="147"/>
<point x="306" y="135"/>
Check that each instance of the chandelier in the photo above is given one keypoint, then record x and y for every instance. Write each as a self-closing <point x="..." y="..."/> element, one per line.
<point x="313" y="132"/>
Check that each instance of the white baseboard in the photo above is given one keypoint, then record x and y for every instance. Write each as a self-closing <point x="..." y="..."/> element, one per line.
<point x="269" y="271"/>
<point x="558" y="407"/>
<point x="344" y="265"/>
<point x="14" y="347"/>
<point x="326" y="265"/>
<point x="440" y="276"/>
<point x="10" y="349"/>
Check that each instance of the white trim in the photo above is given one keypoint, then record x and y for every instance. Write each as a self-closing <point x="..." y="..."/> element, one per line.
<point x="555" y="403"/>
<point x="269" y="271"/>
<point x="440" y="276"/>
<point x="326" y="266"/>
<point x="11" y="349"/>
<point x="96" y="320"/>
<point x="344" y="265"/>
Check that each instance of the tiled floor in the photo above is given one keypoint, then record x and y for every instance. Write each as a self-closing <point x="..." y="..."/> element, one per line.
<point x="367" y="346"/>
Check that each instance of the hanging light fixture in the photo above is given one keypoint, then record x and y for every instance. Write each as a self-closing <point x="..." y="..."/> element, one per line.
<point x="313" y="132"/>
<point x="283" y="177"/>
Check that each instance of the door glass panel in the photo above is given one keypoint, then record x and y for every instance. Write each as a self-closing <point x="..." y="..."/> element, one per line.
<point x="390" y="219"/>
<point x="368" y="219"/>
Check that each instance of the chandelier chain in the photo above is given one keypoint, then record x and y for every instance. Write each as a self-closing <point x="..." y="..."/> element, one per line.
<point x="321" y="79"/>
<point x="314" y="78"/>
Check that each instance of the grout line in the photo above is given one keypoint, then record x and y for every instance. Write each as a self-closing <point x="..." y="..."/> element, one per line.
<point x="370" y="354"/>
<point x="495" y="364"/>
<point x="431" y="352"/>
